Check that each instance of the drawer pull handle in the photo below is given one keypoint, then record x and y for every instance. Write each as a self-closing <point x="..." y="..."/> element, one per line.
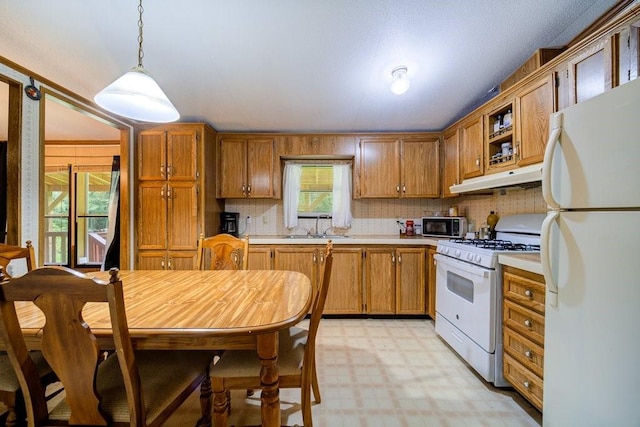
<point x="528" y="354"/>
<point x="527" y="323"/>
<point x="526" y="384"/>
<point x="528" y="293"/>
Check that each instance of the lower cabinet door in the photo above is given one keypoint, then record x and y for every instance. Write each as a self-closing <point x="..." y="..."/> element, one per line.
<point x="410" y="281"/>
<point x="380" y="280"/>
<point x="345" y="287"/>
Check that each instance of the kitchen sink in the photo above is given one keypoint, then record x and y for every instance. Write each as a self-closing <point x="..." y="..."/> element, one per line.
<point x="314" y="236"/>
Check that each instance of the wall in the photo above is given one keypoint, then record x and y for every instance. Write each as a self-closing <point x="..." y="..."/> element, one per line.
<point x="378" y="216"/>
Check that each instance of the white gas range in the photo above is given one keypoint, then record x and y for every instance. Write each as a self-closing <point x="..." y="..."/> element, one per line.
<point x="469" y="291"/>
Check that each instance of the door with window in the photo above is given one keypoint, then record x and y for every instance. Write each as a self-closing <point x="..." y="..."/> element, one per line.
<point x="76" y="216"/>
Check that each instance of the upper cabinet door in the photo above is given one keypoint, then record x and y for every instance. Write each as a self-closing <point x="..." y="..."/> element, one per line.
<point x="182" y="155"/>
<point x="233" y="168"/>
<point x="472" y="148"/>
<point x="534" y="105"/>
<point x="260" y="168"/>
<point x="379" y="167"/>
<point x="420" y="167"/>
<point x="591" y="71"/>
<point x="152" y="155"/>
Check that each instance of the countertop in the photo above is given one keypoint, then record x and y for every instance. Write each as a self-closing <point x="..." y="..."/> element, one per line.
<point x="382" y="239"/>
<point x="527" y="262"/>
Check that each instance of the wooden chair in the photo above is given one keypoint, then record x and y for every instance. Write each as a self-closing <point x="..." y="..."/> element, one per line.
<point x="240" y="369"/>
<point x="9" y="386"/>
<point x="9" y="253"/>
<point x="222" y="252"/>
<point x="132" y="388"/>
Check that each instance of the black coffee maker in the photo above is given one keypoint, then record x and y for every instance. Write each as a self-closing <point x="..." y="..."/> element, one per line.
<point x="229" y="223"/>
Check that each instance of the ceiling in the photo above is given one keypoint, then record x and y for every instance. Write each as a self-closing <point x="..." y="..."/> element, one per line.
<point x="295" y="65"/>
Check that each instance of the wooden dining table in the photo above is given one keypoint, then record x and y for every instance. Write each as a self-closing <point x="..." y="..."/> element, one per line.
<point x="208" y="310"/>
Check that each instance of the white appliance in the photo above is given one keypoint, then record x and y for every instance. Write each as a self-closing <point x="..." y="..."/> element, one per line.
<point x="469" y="291"/>
<point x="590" y="251"/>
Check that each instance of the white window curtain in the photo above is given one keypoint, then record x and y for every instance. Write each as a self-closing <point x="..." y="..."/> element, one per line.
<point x="341" y="214"/>
<point x="292" y="175"/>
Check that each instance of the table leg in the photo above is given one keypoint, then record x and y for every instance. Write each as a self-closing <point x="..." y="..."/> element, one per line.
<point x="269" y="379"/>
<point x="205" y="401"/>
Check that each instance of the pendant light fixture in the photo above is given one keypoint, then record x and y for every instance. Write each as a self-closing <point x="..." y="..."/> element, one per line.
<point x="136" y="95"/>
<point x="400" y="83"/>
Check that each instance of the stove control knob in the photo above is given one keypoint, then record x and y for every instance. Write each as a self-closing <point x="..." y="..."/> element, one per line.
<point x="444" y="250"/>
<point x="457" y="253"/>
<point x="478" y="258"/>
<point x="469" y="257"/>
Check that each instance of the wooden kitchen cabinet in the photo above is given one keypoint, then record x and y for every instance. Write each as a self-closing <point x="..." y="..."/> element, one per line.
<point x="380" y="280"/>
<point x="173" y="193"/>
<point x="395" y="280"/>
<point x="306" y="259"/>
<point x="523" y="332"/>
<point x="472" y="148"/>
<point x="451" y="162"/>
<point x="259" y="257"/>
<point x="533" y="106"/>
<point x="322" y="144"/>
<point x="592" y="70"/>
<point x="247" y="165"/>
<point x="410" y="281"/>
<point x="345" y="288"/>
<point x="528" y="130"/>
<point x="399" y="166"/>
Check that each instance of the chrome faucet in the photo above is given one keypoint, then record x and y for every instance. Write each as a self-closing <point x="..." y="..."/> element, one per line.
<point x="318" y="219"/>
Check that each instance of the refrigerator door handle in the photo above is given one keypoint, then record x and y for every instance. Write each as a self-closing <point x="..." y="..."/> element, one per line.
<point x="554" y="139"/>
<point x="545" y="235"/>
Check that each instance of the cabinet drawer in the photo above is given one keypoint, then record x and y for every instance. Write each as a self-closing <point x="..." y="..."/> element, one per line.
<point x="525" y="351"/>
<point x="523" y="380"/>
<point x="525" y="291"/>
<point x="526" y="322"/>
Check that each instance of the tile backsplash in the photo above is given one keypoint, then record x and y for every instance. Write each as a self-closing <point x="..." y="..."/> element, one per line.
<point x="379" y="216"/>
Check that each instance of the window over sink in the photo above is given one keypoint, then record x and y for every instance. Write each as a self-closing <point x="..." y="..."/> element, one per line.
<point x="317" y="188"/>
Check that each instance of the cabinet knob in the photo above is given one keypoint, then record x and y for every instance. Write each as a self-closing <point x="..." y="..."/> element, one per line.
<point x="527" y="323"/>
<point x="398" y="188"/>
<point x="399" y="259"/>
<point x="315" y="258"/>
<point x="404" y="188"/>
<point x="528" y="354"/>
<point x="162" y="170"/>
<point x="526" y="384"/>
<point x="528" y="293"/>
<point x="243" y="188"/>
<point x="393" y="258"/>
<point x="478" y="161"/>
<point x="169" y="170"/>
<point x="249" y="190"/>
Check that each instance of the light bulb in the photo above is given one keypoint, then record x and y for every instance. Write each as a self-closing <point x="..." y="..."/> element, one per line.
<point x="400" y="83"/>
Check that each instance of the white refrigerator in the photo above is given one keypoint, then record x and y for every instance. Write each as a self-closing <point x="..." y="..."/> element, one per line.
<point x="590" y="250"/>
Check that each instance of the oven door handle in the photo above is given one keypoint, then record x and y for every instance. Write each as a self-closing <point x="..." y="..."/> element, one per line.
<point x="461" y="266"/>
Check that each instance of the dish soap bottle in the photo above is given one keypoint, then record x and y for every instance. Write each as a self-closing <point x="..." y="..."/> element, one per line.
<point x="492" y="220"/>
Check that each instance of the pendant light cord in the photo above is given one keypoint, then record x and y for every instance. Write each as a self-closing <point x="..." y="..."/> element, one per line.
<point x="140" y="51"/>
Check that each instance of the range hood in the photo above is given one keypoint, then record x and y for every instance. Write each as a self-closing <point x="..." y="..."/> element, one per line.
<point x="516" y="177"/>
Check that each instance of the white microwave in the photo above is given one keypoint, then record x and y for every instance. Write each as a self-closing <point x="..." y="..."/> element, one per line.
<point x="444" y="226"/>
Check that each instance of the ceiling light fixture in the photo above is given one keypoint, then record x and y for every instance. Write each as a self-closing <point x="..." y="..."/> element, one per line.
<point x="400" y="83"/>
<point x="136" y="95"/>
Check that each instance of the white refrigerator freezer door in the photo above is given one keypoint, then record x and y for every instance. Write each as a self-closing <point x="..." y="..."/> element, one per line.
<point x="592" y="342"/>
<point x="596" y="162"/>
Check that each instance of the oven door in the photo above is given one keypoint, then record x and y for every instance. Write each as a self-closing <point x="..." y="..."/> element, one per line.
<point x="466" y="297"/>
